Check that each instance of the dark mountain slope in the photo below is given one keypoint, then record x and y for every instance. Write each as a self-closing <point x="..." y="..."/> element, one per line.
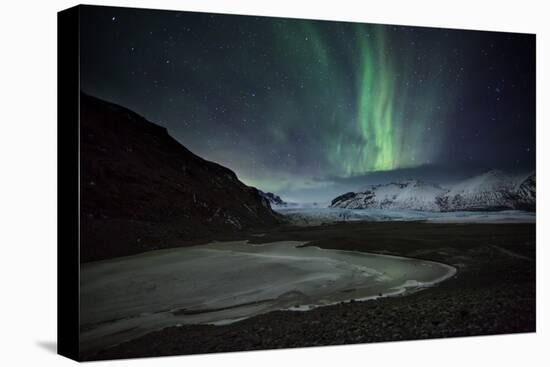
<point x="274" y="200"/>
<point x="142" y="190"/>
<point x="525" y="195"/>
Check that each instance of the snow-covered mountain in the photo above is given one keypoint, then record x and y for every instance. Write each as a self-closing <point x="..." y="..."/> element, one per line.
<point x="493" y="190"/>
<point x="402" y="195"/>
<point x="274" y="200"/>
<point x="525" y="193"/>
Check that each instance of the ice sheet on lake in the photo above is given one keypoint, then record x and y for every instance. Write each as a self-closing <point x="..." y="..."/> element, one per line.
<point x="223" y="282"/>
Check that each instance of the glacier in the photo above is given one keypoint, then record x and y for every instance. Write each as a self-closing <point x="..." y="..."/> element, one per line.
<point x="307" y="216"/>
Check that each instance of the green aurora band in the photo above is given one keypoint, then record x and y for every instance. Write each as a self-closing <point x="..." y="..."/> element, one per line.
<point x="311" y="109"/>
<point x="345" y="94"/>
<point x="390" y="131"/>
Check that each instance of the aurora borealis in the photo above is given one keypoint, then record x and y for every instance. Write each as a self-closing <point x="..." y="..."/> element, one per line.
<point x="381" y="118"/>
<point x="307" y="109"/>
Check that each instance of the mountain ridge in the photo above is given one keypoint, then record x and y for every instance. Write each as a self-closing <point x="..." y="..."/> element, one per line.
<point x="492" y="190"/>
<point x="142" y="190"/>
<point x="273" y="199"/>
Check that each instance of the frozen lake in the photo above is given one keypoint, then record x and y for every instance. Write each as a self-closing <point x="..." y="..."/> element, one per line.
<point x="223" y="282"/>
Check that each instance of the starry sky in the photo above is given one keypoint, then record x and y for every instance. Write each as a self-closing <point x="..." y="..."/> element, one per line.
<point x="310" y="109"/>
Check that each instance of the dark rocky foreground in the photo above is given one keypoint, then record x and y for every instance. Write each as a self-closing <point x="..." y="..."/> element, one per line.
<point x="492" y="293"/>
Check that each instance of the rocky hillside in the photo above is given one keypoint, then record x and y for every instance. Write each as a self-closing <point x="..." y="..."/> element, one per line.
<point x="493" y="190"/>
<point x="142" y="190"/>
<point x="274" y="200"/>
<point x="525" y="193"/>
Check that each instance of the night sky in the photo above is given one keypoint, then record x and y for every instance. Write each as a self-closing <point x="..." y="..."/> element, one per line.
<point x="310" y="109"/>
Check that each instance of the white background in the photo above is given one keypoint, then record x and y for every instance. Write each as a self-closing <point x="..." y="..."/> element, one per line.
<point x="28" y="182"/>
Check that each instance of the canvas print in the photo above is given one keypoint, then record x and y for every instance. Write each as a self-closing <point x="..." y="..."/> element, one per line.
<point x="258" y="183"/>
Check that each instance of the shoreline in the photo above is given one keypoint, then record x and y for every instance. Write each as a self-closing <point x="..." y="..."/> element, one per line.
<point x="317" y="277"/>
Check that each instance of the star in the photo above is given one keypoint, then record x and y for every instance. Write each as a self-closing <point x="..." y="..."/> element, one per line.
<point x="345" y="99"/>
